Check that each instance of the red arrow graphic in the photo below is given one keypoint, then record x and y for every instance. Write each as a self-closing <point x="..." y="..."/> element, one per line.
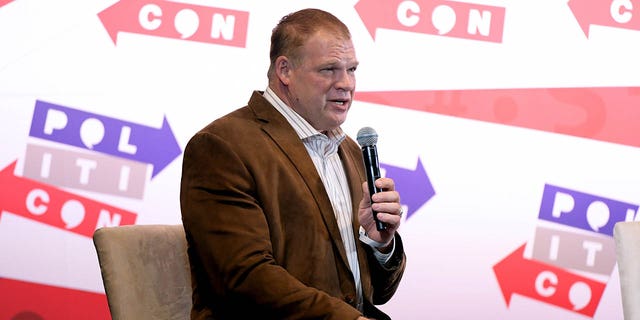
<point x="617" y="14"/>
<point x="4" y="2"/>
<point x="176" y="21"/>
<point x="26" y="300"/>
<point x="601" y="113"/>
<point x="52" y="206"/>
<point x="547" y="284"/>
<point x="434" y="17"/>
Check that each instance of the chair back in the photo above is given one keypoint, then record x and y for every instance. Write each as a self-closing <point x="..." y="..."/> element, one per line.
<point x="145" y="271"/>
<point x="627" y="238"/>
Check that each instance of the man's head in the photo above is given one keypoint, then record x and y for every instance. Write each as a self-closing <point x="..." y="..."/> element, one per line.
<point x="313" y="65"/>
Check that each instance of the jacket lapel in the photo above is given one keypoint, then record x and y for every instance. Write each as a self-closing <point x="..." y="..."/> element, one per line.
<point x="354" y="169"/>
<point x="277" y="127"/>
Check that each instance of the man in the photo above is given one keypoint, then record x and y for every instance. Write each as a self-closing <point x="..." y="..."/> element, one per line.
<point x="274" y="204"/>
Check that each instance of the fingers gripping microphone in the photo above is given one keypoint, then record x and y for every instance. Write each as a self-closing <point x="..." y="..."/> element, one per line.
<point x="367" y="138"/>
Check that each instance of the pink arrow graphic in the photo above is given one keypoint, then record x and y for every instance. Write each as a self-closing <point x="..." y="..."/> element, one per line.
<point x="617" y="14"/>
<point x="434" y="17"/>
<point x="28" y="300"/>
<point x="176" y="20"/>
<point x="608" y="114"/>
<point x="4" y="2"/>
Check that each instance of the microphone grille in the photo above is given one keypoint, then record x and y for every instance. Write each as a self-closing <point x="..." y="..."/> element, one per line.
<point x="367" y="137"/>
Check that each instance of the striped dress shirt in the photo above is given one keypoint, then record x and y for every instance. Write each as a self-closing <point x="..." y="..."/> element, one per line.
<point x="323" y="149"/>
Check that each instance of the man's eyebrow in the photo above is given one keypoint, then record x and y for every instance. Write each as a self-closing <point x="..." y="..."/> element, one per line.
<point x="333" y="63"/>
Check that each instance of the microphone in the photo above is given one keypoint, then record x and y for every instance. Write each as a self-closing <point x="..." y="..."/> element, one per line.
<point x="367" y="138"/>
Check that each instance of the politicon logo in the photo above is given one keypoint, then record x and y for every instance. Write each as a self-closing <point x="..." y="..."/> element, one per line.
<point x="573" y="251"/>
<point x="74" y="150"/>
<point x="87" y="152"/>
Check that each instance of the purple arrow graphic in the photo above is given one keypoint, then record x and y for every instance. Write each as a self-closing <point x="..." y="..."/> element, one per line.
<point x="119" y="138"/>
<point x="413" y="185"/>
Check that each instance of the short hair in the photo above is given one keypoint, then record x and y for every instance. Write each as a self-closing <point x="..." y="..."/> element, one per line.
<point x="295" y="28"/>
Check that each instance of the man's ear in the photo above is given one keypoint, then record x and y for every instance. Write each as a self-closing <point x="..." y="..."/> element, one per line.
<point x="283" y="69"/>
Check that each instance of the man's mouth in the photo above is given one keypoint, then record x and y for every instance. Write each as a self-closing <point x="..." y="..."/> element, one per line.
<point x="340" y="102"/>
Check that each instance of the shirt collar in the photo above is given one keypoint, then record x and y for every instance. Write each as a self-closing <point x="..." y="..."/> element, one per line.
<point x="302" y="127"/>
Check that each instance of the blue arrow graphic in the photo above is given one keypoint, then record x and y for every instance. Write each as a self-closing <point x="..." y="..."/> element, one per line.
<point x="414" y="185"/>
<point x="119" y="138"/>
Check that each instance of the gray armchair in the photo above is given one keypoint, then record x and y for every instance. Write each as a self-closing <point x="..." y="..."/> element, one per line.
<point x="145" y="271"/>
<point x="627" y="239"/>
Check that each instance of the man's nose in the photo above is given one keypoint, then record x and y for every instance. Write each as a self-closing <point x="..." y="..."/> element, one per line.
<point x="345" y="80"/>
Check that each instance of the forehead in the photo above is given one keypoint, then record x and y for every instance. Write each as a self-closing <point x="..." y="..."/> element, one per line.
<point x="323" y="45"/>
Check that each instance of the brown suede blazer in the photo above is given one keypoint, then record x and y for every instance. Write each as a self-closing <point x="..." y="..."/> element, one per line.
<point x="263" y="239"/>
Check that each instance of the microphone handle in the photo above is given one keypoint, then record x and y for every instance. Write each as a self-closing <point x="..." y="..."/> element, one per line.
<point x="372" y="167"/>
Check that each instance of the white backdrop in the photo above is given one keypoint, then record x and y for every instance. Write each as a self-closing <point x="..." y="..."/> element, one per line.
<point x="525" y="122"/>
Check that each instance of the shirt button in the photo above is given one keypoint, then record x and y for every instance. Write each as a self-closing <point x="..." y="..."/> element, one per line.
<point x="349" y="299"/>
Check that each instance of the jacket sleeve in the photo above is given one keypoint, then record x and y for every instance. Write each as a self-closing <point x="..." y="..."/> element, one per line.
<point x="385" y="278"/>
